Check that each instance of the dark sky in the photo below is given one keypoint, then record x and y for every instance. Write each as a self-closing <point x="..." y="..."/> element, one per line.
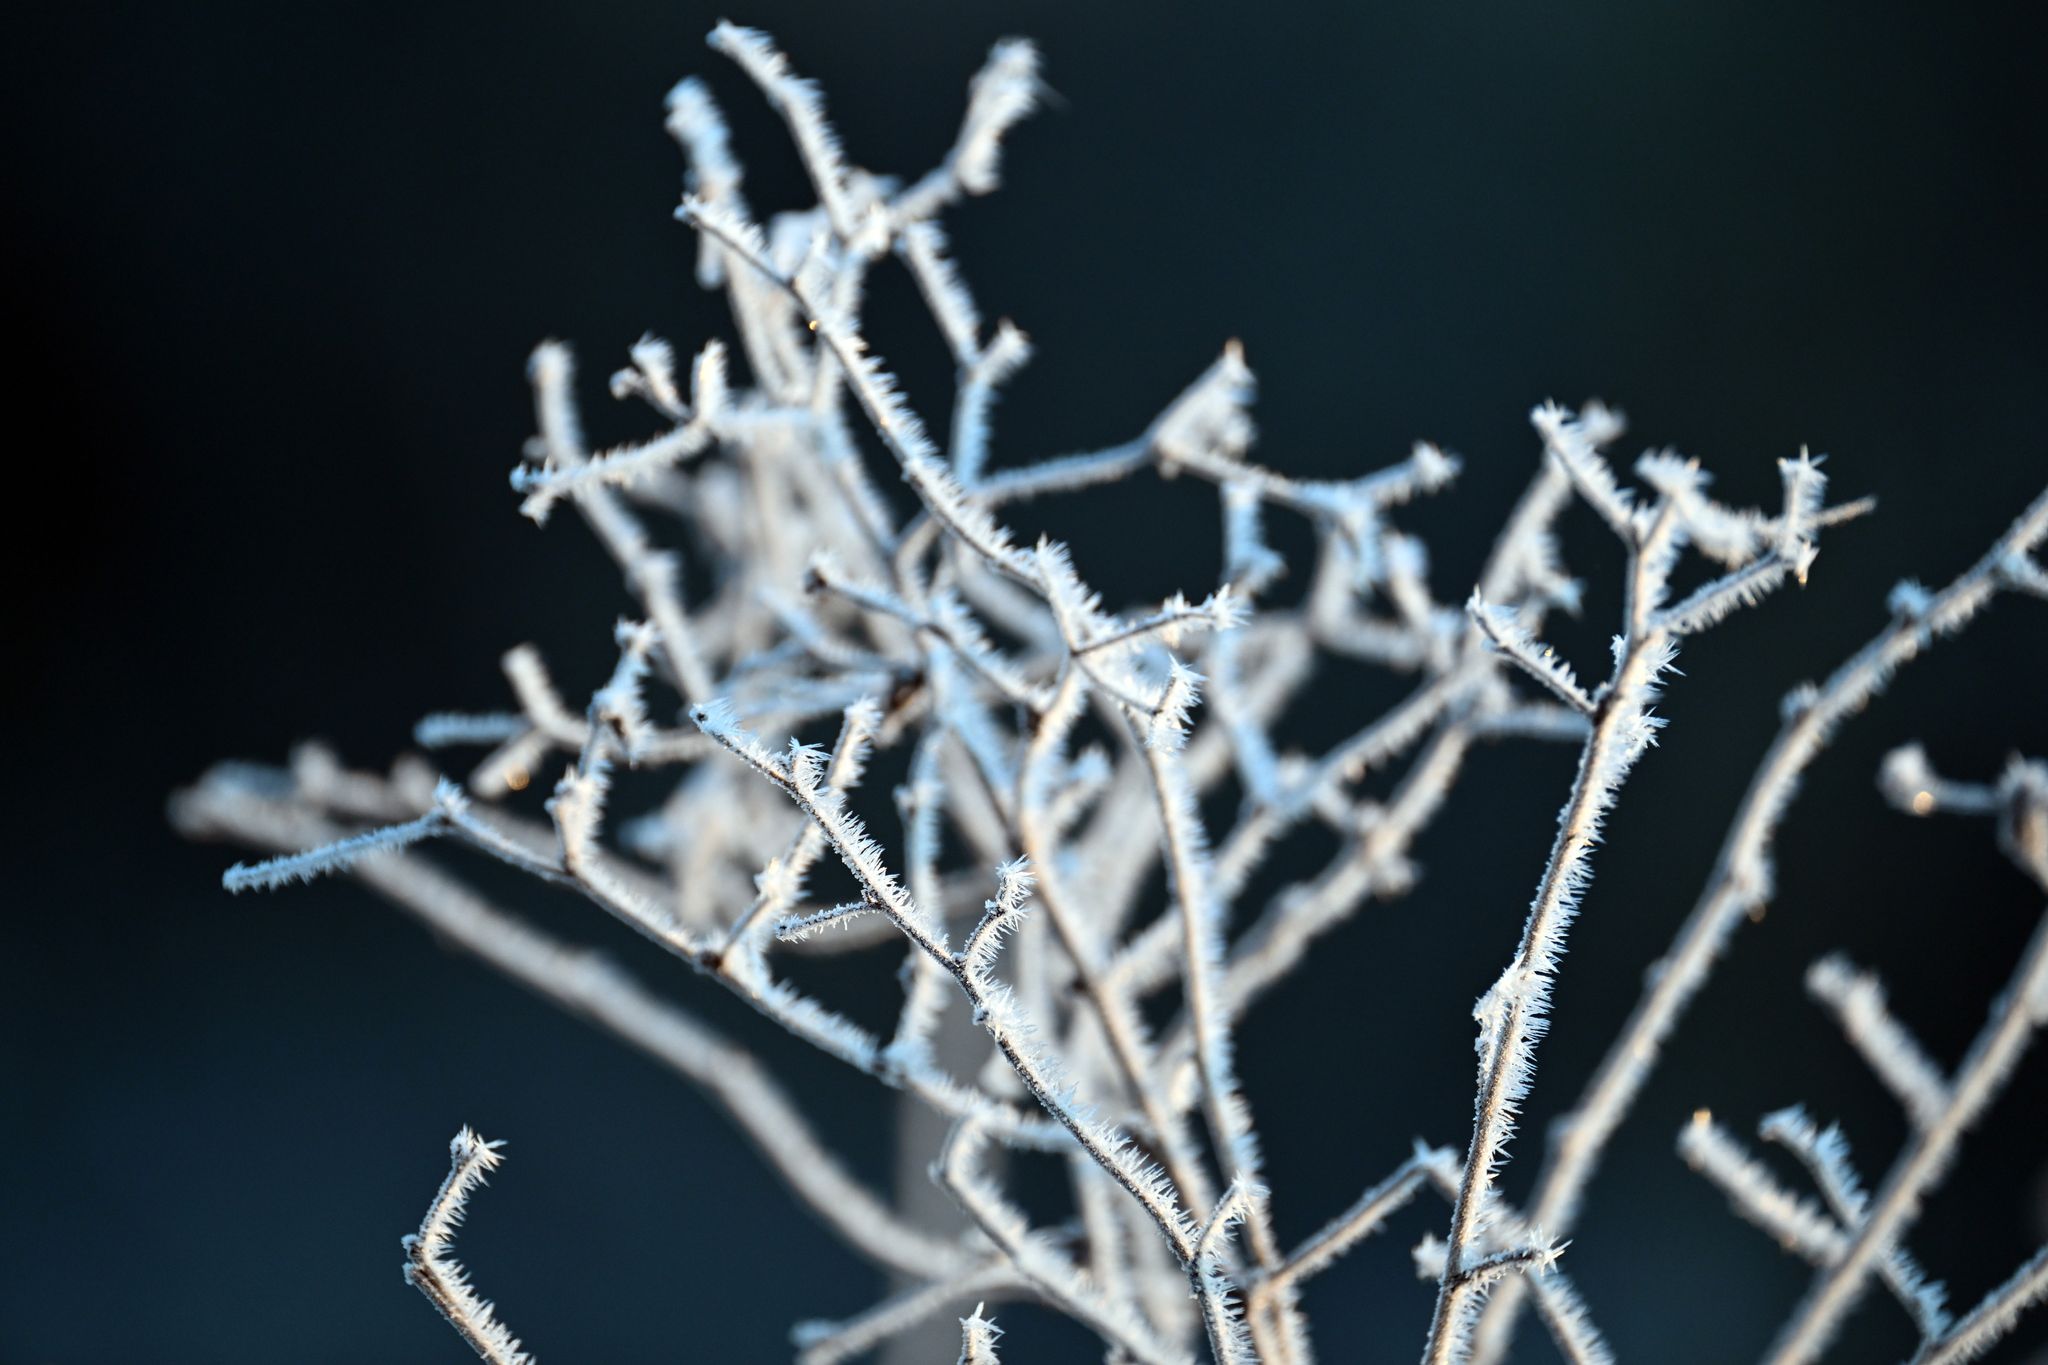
<point x="276" y="270"/>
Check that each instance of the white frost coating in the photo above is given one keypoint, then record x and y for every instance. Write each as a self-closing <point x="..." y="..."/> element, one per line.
<point x="1992" y="1320"/>
<point x="1004" y="92"/>
<point x="1825" y="1154"/>
<point x="1540" y="662"/>
<point x="978" y="1339"/>
<point x="1139" y="758"/>
<point x="430" y="1264"/>
<point x="339" y="856"/>
<point x="802" y="107"/>
<point x="1793" y="1221"/>
<point x="1036" y="1257"/>
<point x="1000" y="918"/>
<point x="1888" y="1048"/>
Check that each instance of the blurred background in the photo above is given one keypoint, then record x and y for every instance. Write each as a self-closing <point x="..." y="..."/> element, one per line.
<point x="276" y="272"/>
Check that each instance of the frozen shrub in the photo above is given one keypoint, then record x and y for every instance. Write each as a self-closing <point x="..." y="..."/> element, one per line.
<point x="1058" y="756"/>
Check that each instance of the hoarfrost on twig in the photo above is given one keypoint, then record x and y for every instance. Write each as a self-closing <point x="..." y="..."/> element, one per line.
<point x="431" y="1267"/>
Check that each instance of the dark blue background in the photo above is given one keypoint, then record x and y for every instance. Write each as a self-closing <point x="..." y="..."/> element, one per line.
<point x="275" y="272"/>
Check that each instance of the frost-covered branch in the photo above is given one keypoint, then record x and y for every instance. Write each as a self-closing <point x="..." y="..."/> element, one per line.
<point x="978" y="1340"/>
<point x="1513" y="1014"/>
<point x="2019" y="800"/>
<point x="1361" y="1220"/>
<point x="430" y="1264"/>
<point x="1033" y="1256"/>
<point x="1793" y="1221"/>
<point x="1992" y="1320"/>
<point x="338" y="856"/>
<point x="1888" y="1047"/>
<point x="1006" y="90"/>
<point x="1538" y="661"/>
<point x="1825" y="1154"/>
